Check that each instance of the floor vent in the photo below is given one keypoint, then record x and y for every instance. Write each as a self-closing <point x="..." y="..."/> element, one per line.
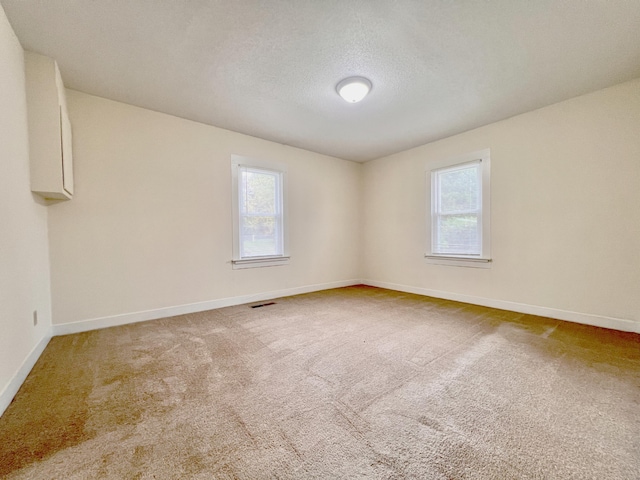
<point x="263" y="305"/>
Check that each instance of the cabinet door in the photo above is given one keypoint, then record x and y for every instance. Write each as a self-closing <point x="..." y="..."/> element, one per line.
<point x="67" y="155"/>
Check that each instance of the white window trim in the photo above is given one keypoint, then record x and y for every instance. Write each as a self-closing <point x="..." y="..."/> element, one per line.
<point x="265" y="261"/>
<point x="474" y="261"/>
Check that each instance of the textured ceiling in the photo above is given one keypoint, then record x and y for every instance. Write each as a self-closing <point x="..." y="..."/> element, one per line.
<point x="269" y="68"/>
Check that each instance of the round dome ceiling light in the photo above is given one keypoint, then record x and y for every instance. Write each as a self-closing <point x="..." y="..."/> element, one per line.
<point x="353" y="89"/>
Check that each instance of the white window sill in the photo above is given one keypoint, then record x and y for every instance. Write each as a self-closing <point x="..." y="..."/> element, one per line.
<point x="470" y="262"/>
<point x="258" y="262"/>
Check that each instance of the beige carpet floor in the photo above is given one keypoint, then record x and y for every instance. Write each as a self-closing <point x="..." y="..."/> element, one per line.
<point x="349" y="383"/>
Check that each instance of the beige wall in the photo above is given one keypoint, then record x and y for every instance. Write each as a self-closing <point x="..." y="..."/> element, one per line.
<point x="24" y="261"/>
<point x="565" y="209"/>
<point x="150" y="222"/>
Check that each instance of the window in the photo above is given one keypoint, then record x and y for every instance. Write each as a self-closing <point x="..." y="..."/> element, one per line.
<point x="459" y="226"/>
<point x="258" y="214"/>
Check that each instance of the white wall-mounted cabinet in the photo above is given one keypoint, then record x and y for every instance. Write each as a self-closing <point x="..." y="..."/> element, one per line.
<point x="50" y="137"/>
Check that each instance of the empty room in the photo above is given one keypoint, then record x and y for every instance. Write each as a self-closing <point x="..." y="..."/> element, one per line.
<point x="320" y="239"/>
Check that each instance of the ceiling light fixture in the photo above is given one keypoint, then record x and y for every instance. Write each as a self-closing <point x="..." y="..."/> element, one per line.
<point x="353" y="89"/>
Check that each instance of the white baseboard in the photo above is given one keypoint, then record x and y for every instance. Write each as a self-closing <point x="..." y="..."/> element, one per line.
<point x="6" y="396"/>
<point x="576" y="317"/>
<point x="134" y="317"/>
<point x="621" y="324"/>
<point x="9" y="392"/>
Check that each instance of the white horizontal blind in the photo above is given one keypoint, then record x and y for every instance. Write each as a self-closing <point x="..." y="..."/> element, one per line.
<point x="456" y="214"/>
<point x="260" y="211"/>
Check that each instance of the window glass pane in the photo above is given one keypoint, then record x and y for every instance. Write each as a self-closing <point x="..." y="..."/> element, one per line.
<point x="459" y="190"/>
<point x="460" y="210"/>
<point x="259" y="192"/>
<point x="458" y="234"/>
<point x="259" y="236"/>
<point x="260" y="222"/>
